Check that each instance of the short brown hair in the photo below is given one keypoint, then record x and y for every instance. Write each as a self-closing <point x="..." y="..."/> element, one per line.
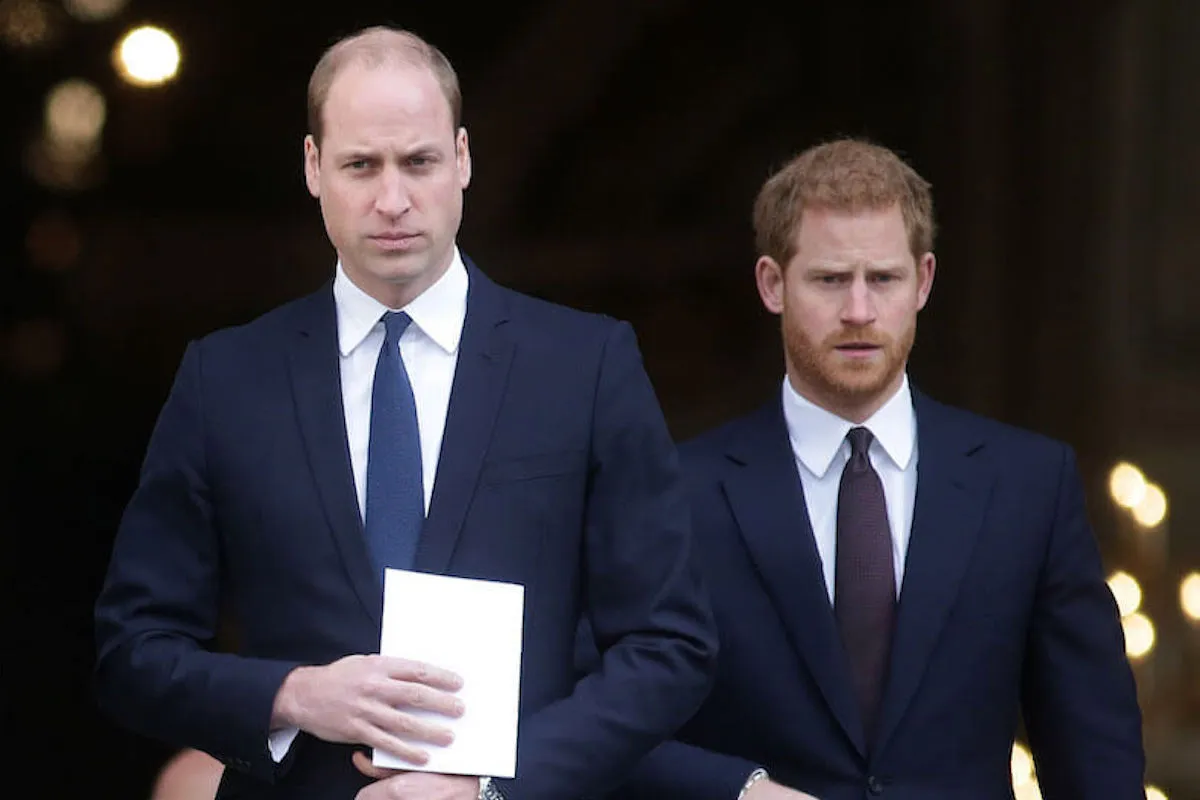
<point x="373" y="47"/>
<point x="848" y="175"/>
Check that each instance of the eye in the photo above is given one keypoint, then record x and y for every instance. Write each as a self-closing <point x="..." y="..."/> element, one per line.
<point x="422" y="162"/>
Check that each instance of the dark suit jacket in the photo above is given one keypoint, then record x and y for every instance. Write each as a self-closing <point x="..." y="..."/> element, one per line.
<point x="1003" y="607"/>
<point x="556" y="472"/>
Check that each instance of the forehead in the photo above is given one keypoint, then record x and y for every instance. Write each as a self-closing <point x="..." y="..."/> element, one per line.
<point x="387" y="99"/>
<point x="869" y="235"/>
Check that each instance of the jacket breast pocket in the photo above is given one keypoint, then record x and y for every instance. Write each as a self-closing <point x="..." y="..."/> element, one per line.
<point x="533" y="467"/>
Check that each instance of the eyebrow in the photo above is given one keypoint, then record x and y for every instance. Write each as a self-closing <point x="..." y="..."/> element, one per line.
<point x="356" y="152"/>
<point x="844" y="266"/>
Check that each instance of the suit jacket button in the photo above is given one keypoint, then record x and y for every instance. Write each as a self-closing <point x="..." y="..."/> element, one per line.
<point x="874" y="785"/>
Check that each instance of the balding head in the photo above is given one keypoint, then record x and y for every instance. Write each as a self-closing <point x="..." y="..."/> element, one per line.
<point x="376" y="47"/>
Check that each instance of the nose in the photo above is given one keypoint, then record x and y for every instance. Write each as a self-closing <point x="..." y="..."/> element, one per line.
<point x="859" y="308"/>
<point x="393" y="198"/>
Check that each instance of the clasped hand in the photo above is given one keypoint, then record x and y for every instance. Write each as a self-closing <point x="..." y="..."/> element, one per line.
<point x="368" y="700"/>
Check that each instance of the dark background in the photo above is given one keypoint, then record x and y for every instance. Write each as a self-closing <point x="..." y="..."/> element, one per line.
<point x="618" y="145"/>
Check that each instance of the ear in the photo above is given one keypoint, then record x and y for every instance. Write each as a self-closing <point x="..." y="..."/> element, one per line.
<point x="312" y="166"/>
<point x="925" y="270"/>
<point x="768" y="276"/>
<point x="462" y="157"/>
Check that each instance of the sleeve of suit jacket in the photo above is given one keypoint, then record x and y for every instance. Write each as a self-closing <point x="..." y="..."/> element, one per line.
<point x="1079" y="697"/>
<point x="676" y="770"/>
<point x="158" y="608"/>
<point x="680" y="771"/>
<point x="651" y="623"/>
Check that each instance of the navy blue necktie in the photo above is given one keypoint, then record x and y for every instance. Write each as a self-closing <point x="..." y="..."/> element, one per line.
<point x="395" y="504"/>
<point x="864" y="597"/>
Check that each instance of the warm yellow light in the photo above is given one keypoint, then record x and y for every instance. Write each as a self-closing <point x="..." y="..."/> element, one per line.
<point x="94" y="10"/>
<point x="1022" y="765"/>
<point x="64" y="166"/>
<point x="25" y="23"/>
<point x="1139" y="635"/>
<point x="1152" y="508"/>
<point x="1155" y="793"/>
<point x="1126" y="591"/>
<point x="1028" y="791"/>
<point x="1189" y="595"/>
<point x="1126" y="484"/>
<point x="147" y="56"/>
<point x="75" y="112"/>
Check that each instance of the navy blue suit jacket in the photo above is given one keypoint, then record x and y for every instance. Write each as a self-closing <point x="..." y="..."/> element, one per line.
<point x="1003" y="608"/>
<point x="556" y="472"/>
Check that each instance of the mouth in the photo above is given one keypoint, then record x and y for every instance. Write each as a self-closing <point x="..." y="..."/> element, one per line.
<point x="397" y="240"/>
<point x="858" y="349"/>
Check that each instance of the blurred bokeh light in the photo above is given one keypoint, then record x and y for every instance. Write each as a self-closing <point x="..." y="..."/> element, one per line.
<point x="1022" y="765"/>
<point x="1189" y="596"/>
<point x="1152" y="509"/>
<point x="75" y="114"/>
<point x="1127" y="485"/>
<point x="26" y="23"/>
<point x="147" y="56"/>
<point x="1139" y="635"/>
<point x="1126" y="591"/>
<point x="94" y="10"/>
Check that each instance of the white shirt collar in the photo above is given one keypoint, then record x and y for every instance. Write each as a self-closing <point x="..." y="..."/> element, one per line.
<point x="817" y="434"/>
<point x="439" y="311"/>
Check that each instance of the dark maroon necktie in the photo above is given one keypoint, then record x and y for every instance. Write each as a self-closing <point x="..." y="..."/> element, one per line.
<point x="864" y="579"/>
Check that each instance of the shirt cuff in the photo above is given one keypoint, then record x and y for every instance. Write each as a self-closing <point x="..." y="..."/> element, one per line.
<point x="280" y="742"/>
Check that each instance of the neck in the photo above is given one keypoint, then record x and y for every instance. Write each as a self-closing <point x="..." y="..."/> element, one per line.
<point x="398" y="293"/>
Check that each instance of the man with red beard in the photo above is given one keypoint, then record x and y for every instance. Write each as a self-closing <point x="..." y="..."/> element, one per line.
<point x="894" y="580"/>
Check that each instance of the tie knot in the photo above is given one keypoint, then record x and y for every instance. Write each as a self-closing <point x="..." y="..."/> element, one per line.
<point x="395" y="323"/>
<point x="860" y="441"/>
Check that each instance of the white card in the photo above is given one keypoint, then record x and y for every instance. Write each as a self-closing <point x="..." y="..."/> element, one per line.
<point x="473" y="628"/>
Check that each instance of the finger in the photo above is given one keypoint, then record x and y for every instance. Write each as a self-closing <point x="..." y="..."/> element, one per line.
<point x="363" y="762"/>
<point x="391" y="788"/>
<point x="401" y="694"/>
<point x="394" y="745"/>
<point x="407" y="726"/>
<point x="420" y="672"/>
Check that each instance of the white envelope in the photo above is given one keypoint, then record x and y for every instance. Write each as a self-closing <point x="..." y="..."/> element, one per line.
<point x="473" y="628"/>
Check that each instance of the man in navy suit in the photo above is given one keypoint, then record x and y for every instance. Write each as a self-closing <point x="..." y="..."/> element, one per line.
<point x="893" y="579"/>
<point x="409" y="414"/>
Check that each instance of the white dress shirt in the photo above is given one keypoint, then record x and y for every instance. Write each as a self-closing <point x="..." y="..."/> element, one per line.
<point x="819" y="446"/>
<point x="429" y="348"/>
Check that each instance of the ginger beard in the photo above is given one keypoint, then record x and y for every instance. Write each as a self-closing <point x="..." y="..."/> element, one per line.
<point x="846" y="380"/>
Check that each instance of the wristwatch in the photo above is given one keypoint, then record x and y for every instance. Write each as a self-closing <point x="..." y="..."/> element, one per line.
<point x="488" y="790"/>
<point x="756" y="776"/>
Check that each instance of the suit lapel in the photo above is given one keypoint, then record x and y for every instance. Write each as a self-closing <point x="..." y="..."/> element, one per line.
<point x="767" y="499"/>
<point x="317" y="390"/>
<point x="952" y="495"/>
<point x="485" y="353"/>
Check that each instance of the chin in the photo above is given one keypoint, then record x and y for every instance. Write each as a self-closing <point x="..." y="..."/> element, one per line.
<point x="860" y="383"/>
<point x="397" y="271"/>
